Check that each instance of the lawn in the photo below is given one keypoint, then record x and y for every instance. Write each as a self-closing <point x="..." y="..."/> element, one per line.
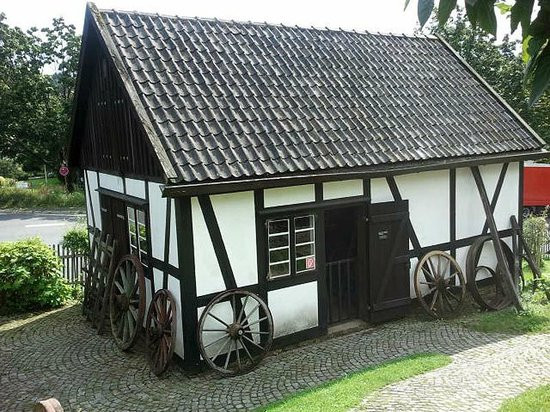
<point x="347" y="392"/>
<point x="537" y="399"/>
<point x="534" y="319"/>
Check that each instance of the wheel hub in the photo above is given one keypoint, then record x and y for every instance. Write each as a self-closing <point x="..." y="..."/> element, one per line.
<point x="235" y="331"/>
<point x="123" y="302"/>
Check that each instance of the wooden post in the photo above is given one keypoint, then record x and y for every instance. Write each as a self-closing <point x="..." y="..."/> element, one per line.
<point x="501" y="259"/>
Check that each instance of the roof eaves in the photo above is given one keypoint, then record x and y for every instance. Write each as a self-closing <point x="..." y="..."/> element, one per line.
<point x="156" y="144"/>
<point x="492" y="91"/>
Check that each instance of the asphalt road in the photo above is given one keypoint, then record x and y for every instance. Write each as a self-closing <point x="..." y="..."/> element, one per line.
<point x="50" y="227"/>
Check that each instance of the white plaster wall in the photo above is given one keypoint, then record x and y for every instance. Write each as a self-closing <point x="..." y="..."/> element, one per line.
<point x="135" y="188"/>
<point x="111" y="182"/>
<point x="345" y="188"/>
<point x="207" y="271"/>
<point x="294" y="308"/>
<point x="236" y="218"/>
<point x="290" y="195"/>
<point x="92" y="201"/>
<point x="157" y="215"/>
<point x="429" y="204"/>
<point x="470" y="216"/>
<point x="379" y="191"/>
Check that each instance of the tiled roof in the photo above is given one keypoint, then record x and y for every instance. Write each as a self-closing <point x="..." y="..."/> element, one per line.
<point x="232" y="100"/>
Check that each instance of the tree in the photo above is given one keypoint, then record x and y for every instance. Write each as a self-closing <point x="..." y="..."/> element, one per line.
<point x="499" y="64"/>
<point x="35" y="107"/>
<point x="535" y="31"/>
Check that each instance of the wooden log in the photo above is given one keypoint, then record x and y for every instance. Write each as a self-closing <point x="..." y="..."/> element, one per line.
<point x="48" y="405"/>
<point x="508" y="283"/>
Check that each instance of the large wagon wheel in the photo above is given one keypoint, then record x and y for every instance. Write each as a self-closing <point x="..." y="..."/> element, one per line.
<point x="235" y="332"/>
<point x="160" y="330"/>
<point x="493" y="296"/>
<point x="127" y="301"/>
<point x="439" y="284"/>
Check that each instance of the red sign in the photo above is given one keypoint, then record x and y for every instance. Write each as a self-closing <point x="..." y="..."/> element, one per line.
<point x="310" y="263"/>
<point x="64" y="171"/>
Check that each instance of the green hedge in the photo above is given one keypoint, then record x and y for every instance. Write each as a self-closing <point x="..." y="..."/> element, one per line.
<point x="43" y="197"/>
<point x="76" y="239"/>
<point x="30" y="277"/>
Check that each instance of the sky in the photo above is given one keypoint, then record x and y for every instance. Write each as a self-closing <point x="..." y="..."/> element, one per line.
<point x="385" y="16"/>
<point x="371" y="15"/>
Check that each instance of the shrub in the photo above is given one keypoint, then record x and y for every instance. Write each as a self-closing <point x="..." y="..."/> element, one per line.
<point x="42" y="197"/>
<point x="535" y="232"/>
<point x="9" y="168"/>
<point x="76" y="239"/>
<point x="30" y="277"/>
<point x="6" y="181"/>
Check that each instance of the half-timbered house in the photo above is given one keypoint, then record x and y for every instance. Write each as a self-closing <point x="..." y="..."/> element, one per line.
<point x="312" y="167"/>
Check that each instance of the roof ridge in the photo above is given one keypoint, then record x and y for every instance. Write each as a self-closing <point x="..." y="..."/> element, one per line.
<point x="274" y="25"/>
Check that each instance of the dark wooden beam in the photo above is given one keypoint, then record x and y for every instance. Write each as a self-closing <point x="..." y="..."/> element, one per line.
<point x="509" y="286"/>
<point x="496" y="194"/>
<point x="397" y="197"/>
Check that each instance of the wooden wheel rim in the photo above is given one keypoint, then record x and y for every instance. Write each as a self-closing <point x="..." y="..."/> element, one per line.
<point x="498" y="301"/>
<point x="127" y="301"/>
<point x="440" y="273"/>
<point x="248" y="338"/>
<point x="160" y="330"/>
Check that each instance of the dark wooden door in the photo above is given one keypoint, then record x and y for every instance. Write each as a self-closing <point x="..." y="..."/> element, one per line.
<point x="388" y="259"/>
<point x="114" y="222"/>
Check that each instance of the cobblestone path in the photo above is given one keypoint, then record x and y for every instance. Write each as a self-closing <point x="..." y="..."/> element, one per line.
<point x="58" y="354"/>
<point x="478" y="379"/>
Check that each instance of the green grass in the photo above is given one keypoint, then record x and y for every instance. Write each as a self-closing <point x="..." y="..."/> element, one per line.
<point x="44" y="197"/>
<point x="345" y="393"/>
<point x="534" y="319"/>
<point x="35" y="183"/>
<point x="537" y="399"/>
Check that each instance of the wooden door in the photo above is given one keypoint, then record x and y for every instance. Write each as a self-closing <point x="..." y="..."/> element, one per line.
<point x="388" y="259"/>
<point x="114" y="222"/>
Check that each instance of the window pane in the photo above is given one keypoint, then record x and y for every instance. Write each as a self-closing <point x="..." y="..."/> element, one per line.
<point x="305" y="236"/>
<point x="303" y="222"/>
<point x="305" y="250"/>
<point x="278" y="241"/>
<point x="277" y="226"/>
<point x="280" y="269"/>
<point x="131" y="214"/>
<point x="278" y="255"/>
<point x="304" y="264"/>
<point x="141" y="217"/>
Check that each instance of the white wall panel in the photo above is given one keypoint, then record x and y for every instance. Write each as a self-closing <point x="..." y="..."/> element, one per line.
<point x="379" y="191"/>
<point x="294" y="308"/>
<point x="507" y="204"/>
<point x="207" y="271"/>
<point x="345" y="188"/>
<point x="174" y="288"/>
<point x="173" y="253"/>
<point x="236" y="218"/>
<point x="111" y="182"/>
<point x="157" y="215"/>
<point x="470" y="216"/>
<point x="94" y="204"/>
<point x="135" y="188"/>
<point x="290" y="195"/>
<point x="158" y="277"/>
<point x="429" y="204"/>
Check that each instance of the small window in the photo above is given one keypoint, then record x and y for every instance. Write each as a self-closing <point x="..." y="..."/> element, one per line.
<point x="291" y="246"/>
<point x="137" y="233"/>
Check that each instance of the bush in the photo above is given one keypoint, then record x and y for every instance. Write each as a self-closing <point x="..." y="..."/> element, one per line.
<point x="535" y="232"/>
<point x="42" y="197"/>
<point x="30" y="277"/>
<point x="9" y="168"/>
<point x="76" y="240"/>
<point x="6" y="182"/>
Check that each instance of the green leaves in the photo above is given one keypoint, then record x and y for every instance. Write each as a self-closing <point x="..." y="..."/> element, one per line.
<point x="541" y="74"/>
<point x="444" y="11"/>
<point x="482" y="12"/>
<point x="425" y="8"/>
<point x="521" y="13"/>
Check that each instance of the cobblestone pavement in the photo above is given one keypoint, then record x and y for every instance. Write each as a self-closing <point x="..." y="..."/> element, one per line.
<point x="58" y="354"/>
<point x="478" y="379"/>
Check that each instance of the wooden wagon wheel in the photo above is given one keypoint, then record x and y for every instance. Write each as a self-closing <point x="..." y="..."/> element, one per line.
<point x="127" y="301"/>
<point x="439" y="284"/>
<point x="160" y="330"/>
<point x="492" y="297"/>
<point x="235" y="332"/>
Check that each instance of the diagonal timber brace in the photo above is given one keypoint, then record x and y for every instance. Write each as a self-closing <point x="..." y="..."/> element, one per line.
<point x="508" y="283"/>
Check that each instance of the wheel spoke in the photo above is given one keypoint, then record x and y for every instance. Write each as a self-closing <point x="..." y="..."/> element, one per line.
<point x="222" y="347"/>
<point x="257" y="321"/>
<point x="238" y="355"/>
<point x="257" y="332"/>
<point x="242" y="309"/>
<point x="428" y="275"/>
<point x="234" y="307"/>
<point x="215" y="341"/>
<point x="218" y="319"/>
<point x="427" y="283"/>
<point x="246" y="317"/>
<point x="131" y="323"/>
<point x="434" y="299"/>
<point x="432" y="269"/>
<point x="452" y="295"/>
<point x="251" y="341"/>
<point x="246" y="349"/>
<point x="227" y="357"/>
<point x="214" y="330"/>
<point x="119" y="286"/>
